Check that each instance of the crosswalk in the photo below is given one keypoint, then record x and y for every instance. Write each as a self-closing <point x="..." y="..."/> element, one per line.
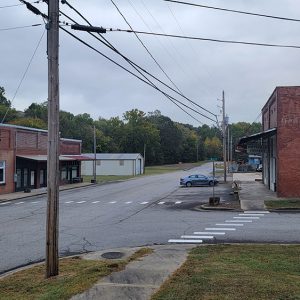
<point x="221" y="229"/>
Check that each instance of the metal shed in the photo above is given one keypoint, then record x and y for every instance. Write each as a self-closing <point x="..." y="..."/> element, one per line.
<point x="114" y="164"/>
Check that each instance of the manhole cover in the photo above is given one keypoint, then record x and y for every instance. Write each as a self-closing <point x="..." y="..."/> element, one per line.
<point x="112" y="255"/>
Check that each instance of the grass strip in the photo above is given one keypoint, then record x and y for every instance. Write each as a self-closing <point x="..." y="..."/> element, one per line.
<point x="218" y="272"/>
<point x="76" y="276"/>
<point x="282" y="203"/>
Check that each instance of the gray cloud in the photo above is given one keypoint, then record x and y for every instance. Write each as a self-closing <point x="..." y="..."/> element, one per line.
<point x="91" y="84"/>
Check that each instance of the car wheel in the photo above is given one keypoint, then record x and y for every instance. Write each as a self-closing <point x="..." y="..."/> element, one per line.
<point x="211" y="183"/>
<point x="188" y="184"/>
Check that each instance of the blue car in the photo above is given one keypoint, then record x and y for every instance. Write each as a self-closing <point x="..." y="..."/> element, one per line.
<point x="198" y="180"/>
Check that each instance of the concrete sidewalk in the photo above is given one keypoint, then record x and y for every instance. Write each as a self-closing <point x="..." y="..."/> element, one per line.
<point x="253" y="192"/>
<point x="41" y="191"/>
<point x="141" y="278"/>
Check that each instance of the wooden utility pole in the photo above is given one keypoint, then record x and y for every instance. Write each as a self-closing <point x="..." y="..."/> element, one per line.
<point x="224" y="135"/>
<point x="53" y="141"/>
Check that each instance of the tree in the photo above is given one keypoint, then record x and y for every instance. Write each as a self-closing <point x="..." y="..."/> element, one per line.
<point x="213" y="147"/>
<point x="36" y="110"/>
<point x="3" y="100"/>
<point x="30" y="122"/>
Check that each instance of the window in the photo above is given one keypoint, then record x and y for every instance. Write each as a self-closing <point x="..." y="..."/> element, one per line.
<point x="64" y="173"/>
<point x="2" y="172"/>
<point x="98" y="162"/>
<point x="121" y="161"/>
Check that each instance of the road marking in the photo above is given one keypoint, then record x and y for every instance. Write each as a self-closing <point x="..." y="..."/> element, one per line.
<point x="113" y="202"/>
<point x="19" y="203"/>
<point x="144" y="202"/>
<point x="214" y="233"/>
<point x="233" y="221"/>
<point x="253" y="215"/>
<point x="95" y="202"/>
<point x="128" y="202"/>
<point x="69" y="202"/>
<point x="4" y="203"/>
<point x="247" y="218"/>
<point x="229" y="229"/>
<point x="186" y="241"/>
<point x="197" y="237"/>
<point x="34" y="202"/>
<point x="178" y="202"/>
<point x="218" y="224"/>
<point x="256" y="212"/>
<point x="79" y="202"/>
<point x="160" y="203"/>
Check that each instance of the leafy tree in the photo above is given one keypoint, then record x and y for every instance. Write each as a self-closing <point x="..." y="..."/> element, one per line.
<point x="213" y="147"/>
<point x="36" y="110"/>
<point x="30" y="122"/>
<point x="3" y="100"/>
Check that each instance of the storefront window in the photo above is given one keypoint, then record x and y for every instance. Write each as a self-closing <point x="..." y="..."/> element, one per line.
<point x="2" y="172"/>
<point x="64" y="173"/>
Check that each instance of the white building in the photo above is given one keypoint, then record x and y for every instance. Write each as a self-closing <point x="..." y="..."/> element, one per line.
<point x="114" y="164"/>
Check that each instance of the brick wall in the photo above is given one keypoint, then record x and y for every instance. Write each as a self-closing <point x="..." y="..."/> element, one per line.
<point x="288" y="142"/>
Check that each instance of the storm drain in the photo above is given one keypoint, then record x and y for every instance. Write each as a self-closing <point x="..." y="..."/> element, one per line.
<point x="112" y="255"/>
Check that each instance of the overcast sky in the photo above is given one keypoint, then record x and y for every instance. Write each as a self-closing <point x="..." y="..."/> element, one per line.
<point x="201" y="70"/>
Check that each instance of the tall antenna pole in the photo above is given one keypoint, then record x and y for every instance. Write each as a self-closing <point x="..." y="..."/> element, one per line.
<point x="53" y="141"/>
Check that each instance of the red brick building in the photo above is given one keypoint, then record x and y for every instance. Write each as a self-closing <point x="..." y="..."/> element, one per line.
<point x="279" y="142"/>
<point x="23" y="158"/>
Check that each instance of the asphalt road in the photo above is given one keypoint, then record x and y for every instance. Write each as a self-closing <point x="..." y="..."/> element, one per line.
<point x="143" y="211"/>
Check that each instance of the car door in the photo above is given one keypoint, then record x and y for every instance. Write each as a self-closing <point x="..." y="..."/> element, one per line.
<point x="202" y="180"/>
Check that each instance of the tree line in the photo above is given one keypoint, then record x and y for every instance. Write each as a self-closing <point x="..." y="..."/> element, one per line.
<point x="163" y="140"/>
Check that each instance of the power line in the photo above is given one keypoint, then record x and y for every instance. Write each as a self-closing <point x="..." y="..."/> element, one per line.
<point x="19" y="27"/>
<point x="206" y="39"/>
<point x="134" y="65"/>
<point x="24" y="74"/>
<point x="235" y="11"/>
<point x="142" y="43"/>
<point x="14" y="5"/>
<point x="143" y="80"/>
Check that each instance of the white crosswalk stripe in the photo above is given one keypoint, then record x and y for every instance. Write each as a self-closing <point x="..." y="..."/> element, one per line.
<point x="95" y="202"/>
<point x="197" y="237"/>
<point x="222" y="229"/>
<point x="185" y="241"/>
<point x="221" y="224"/>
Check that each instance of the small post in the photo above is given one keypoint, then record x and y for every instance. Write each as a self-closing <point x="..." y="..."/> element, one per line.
<point x="95" y="158"/>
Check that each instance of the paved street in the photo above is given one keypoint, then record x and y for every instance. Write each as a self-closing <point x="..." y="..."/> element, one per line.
<point x="143" y="211"/>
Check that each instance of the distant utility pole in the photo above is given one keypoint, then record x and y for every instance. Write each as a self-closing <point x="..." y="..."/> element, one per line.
<point x="53" y="141"/>
<point x="224" y="135"/>
<point x="95" y="157"/>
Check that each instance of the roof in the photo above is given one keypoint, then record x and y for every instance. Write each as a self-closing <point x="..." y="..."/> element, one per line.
<point x="61" y="157"/>
<point x="36" y="130"/>
<point x="256" y="136"/>
<point x="113" y="156"/>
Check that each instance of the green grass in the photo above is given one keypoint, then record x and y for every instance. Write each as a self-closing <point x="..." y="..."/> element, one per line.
<point x="282" y="203"/>
<point x="76" y="276"/>
<point x="155" y="170"/>
<point x="218" y="272"/>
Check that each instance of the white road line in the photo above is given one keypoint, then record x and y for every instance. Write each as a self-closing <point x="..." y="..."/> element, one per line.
<point x="144" y="202"/>
<point x="247" y="218"/>
<point x="160" y="203"/>
<point x="256" y="212"/>
<point x="228" y="229"/>
<point x="128" y="202"/>
<point x="219" y="224"/>
<point x="178" y="202"/>
<point x="19" y="203"/>
<point x="214" y="233"/>
<point x="186" y="241"/>
<point x="253" y="215"/>
<point x="79" y="202"/>
<point x="69" y="202"/>
<point x="197" y="237"/>
<point x="238" y="221"/>
<point x="113" y="202"/>
<point x="4" y="203"/>
<point x="34" y="202"/>
<point x="95" y="202"/>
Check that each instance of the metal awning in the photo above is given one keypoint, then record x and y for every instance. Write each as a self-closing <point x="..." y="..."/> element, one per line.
<point x="257" y="136"/>
<point x="61" y="157"/>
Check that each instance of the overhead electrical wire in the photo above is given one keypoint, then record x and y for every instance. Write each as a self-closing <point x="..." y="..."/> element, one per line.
<point x="134" y="65"/>
<point x="36" y="11"/>
<point x="206" y="39"/>
<point x="24" y="74"/>
<point x="145" y="47"/>
<point x="19" y="27"/>
<point x="235" y="11"/>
